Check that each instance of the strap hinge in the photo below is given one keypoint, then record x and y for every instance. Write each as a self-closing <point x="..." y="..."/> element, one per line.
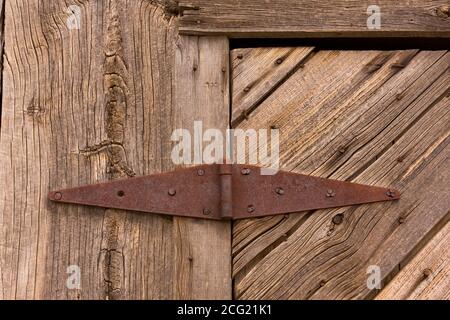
<point x="223" y="192"/>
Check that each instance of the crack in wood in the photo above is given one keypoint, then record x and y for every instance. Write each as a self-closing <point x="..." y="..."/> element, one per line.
<point x="116" y="92"/>
<point x="249" y="284"/>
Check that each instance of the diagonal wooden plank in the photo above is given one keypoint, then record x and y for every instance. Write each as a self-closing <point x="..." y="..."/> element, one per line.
<point x="427" y="276"/>
<point x="308" y="94"/>
<point x="258" y="71"/>
<point x="400" y="230"/>
<point x="326" y="260"/>
<point x="91" y="104"/>
<point x="285" y="18"/>
<point x="298" y="240"/>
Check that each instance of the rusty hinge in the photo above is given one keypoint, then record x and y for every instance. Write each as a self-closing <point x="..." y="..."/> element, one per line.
<point x="223" y="192"/>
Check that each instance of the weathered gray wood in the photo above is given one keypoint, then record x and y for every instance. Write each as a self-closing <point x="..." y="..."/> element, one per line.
<point x="202" y="247"/>
<point x="89" y="105"/>
<point x="257" y="72"/>
<point x="2" y="40"/>
<point x="306" y="18"/>
<point x="427" y="276"/>
<point x="378" y="118"/>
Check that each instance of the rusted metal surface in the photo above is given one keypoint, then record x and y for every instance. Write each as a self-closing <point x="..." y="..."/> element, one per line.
<point x="193" y="192"/>
<point x="257" y="195"/>
<point x="223" y="191"/>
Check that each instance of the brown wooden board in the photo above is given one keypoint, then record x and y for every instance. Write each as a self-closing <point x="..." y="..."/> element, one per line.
<point x="2" y="16"/>
<point x="259" y="71"/>
<point x="317" y="18"/>
<point x="372" y="117"/>
<point x="427" y="276"/>
<point x="202" y="266"/>
<point x="93" y="104"/>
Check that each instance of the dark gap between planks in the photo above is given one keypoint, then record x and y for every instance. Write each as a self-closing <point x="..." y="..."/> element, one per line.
<point x="346" y="43"/>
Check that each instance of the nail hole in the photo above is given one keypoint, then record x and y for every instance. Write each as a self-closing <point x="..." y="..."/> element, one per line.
<point x="120" y="193"/>
<point x="337" y="219"/>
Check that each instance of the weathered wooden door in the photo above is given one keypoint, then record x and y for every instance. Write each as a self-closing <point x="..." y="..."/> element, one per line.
<point x="93" y="92"/>
<point x="373" y="117"/>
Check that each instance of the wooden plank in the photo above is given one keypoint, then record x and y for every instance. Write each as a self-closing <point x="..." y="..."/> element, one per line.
<point x="427" y="276"/>
<point x="305" y="95"/>
<point x="44" y="125"/>
<point x="202" y="247"/>
<point x="257" y="72"/>
<point x="286" y="18"/>
<point x="91" y="104"/>
<point x="377" y="118"/>
<point x="2" y="41"/>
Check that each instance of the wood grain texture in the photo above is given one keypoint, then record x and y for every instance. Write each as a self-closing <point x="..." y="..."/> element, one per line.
<point x="202" y="247"/>
<point x="427" y="276"/>
<point x="305" y="18"/>
<point x="92" y="104"/>
<point x="257" y="72"/>
<point x="2" y="41"/>
<point x="372" y="117"/>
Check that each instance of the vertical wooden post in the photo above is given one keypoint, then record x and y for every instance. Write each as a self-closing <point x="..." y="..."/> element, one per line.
<point x="203" y="248"/>
<point x="95" y="103"/>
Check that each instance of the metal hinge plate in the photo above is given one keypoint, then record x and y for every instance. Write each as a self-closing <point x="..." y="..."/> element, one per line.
<point x="223" y="192"/>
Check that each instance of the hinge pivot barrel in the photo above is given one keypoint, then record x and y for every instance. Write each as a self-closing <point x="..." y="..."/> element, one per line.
<point x="226" y="191"/>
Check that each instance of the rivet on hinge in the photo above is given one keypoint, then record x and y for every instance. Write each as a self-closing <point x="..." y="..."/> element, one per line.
<point x="390" y="193"/>
<point x="330" y="193"/>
